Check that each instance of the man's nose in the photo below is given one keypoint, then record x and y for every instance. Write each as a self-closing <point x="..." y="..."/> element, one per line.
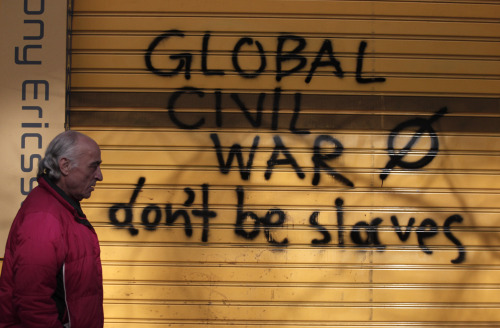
<point x="99" y="174"/>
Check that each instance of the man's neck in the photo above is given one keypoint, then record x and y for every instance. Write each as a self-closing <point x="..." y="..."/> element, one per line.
<point x="73" y="202"/>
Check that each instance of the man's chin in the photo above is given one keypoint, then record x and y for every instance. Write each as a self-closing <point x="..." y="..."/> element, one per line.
<point x="85" y="196"/>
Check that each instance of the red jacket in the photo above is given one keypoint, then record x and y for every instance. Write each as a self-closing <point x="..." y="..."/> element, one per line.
<point x="51" y="272"/>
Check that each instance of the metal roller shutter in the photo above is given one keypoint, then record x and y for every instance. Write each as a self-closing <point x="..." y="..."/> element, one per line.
<point x="293" y="163"/>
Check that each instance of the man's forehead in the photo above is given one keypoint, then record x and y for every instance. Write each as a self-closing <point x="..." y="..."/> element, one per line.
<point x="84" y="140"/>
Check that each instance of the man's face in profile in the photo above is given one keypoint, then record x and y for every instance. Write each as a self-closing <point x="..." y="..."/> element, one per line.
<point x="85" y="171"/>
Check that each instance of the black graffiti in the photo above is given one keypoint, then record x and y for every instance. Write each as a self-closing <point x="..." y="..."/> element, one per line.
<point x="362" y="234"/>
<point x="293" y="55"/>
<point x="236" y="61"/>
<point x="235" y="151"/>
<point x="427" y="229"/>
<point x="447" y="232"/>
<point x="359" y="67"/>
<point x="319" y="159"/>
<point x="255" y="120"/>
<point x="204" y="58"/>
<point x="281" y="155"/>
<point x="171" y="217"/>
<point x="146" y="214"/>
<point x="171" y="108"/>
<point x="248" y="224"/>
<point x="258" y="116"/>
<point x="371" y="232"/>
<point x="367" y="234"/>
<point x="266" y="221"/>
<point x="127" y="208"/>
<point x="205" y="213"/>
<point x="269" y="225"/>
<point x="288" y="62"/>
<point x="327" y="237"/>
<point x="403" y="236"/>
<point x="151" y="215"/>
<point x="184" y="59"/>
<point x="242" y="216"/>
<point x="274" y="160"/>
<point x="339" y="202"/>
<point x="326" y="48"/>
<point x="397" y="157"/>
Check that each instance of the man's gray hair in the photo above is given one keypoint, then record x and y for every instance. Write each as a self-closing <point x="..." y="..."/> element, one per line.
<point x="63" y="145"/>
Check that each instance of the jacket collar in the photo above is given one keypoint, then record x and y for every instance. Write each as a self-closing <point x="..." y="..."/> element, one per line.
<point x="74" y="203"/>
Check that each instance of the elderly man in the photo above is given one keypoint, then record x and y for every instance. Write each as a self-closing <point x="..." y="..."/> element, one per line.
<point x="52" y="275"/>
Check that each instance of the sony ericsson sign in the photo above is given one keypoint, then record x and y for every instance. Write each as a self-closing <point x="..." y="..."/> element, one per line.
<point x="41" y="96"/>
<point x="32" y="93"/>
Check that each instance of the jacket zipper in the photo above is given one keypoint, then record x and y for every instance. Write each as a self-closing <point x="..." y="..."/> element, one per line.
<point x="68" y="325"/>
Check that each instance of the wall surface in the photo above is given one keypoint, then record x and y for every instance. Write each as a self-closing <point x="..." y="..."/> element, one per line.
<point x="293" y="163"/>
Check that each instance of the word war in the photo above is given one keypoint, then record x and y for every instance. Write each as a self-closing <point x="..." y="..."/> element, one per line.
<point x="319" y="158"/>
<point x="249" y="225"/>
<point x="327" y="148"/>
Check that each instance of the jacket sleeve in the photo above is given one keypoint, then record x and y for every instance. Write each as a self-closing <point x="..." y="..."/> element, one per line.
<point x="39" y="254"/>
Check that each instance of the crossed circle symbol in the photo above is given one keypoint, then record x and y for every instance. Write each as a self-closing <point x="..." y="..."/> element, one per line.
<point x="397" y="156"/>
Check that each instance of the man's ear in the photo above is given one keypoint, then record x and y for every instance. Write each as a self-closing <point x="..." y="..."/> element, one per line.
<point x="64" y="165"/>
